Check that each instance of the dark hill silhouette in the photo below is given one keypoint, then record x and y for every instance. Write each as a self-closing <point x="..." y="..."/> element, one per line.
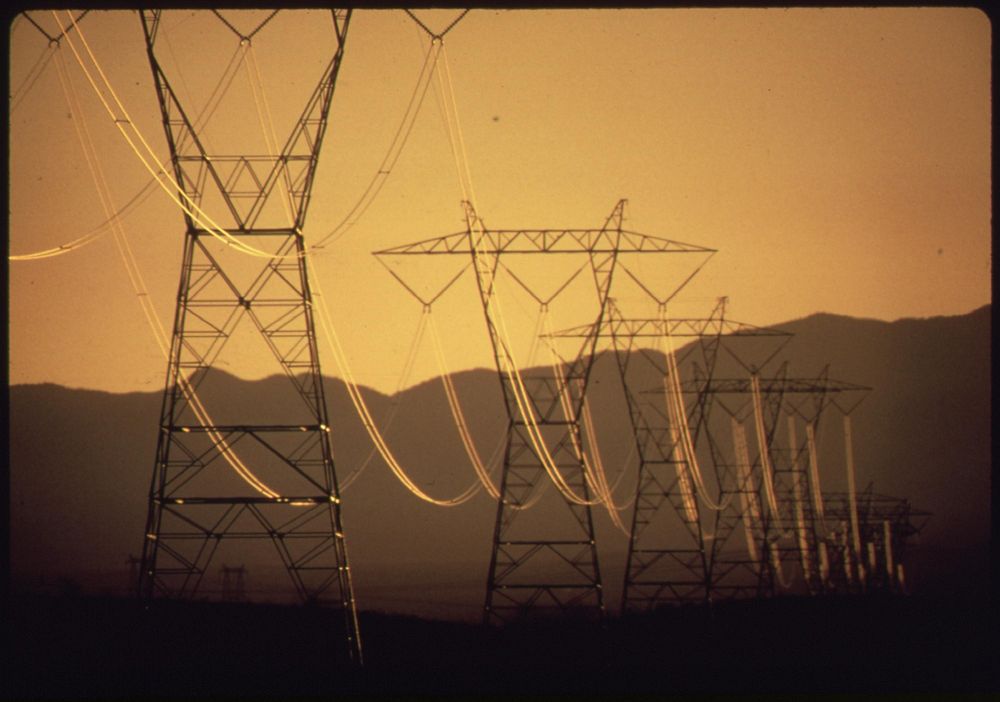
<point x="81" y="462"/>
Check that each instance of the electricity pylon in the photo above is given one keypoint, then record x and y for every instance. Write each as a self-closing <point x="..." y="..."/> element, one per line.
<point x="673" y="531"/>
<point x="885" y="525"/>
<point x="247" y="470"/>
<point x="544" y="561"/>
<point x="786" y="539"/>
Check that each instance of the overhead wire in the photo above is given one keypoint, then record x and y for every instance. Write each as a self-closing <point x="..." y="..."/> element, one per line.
<point x="590" y="431"/>
<point x="350" y="219"/>
<point x="378" y="439"/>
<point x="143" y="193"/>
<point x="360" y="406"/>
<point x="678" y="415"/>
<point x="458" y="416"/>
<point x="817" y="493"/>
<point x="34" y="73"/>
<point x="147" y="156"/>
<point x="852" y="496"/>
<point x="48" y="36"/>
<point x="750" y="510"/>
<point x="798" y="497"/>
<point x="819" y="514"/>
<point x="593" y="470"/>
<point x="767" y="469"/>
<point x="393" y="153"/>
<point x="486" y="278"/>
<point x="404" y="376"/>
<point x="141" y="292"/>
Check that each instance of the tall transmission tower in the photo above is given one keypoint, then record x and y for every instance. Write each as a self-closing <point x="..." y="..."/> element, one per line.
<point x="545" y="561"/>
<point x="776" y="483"/>
<point x="231" y="472"/>
<point x="672" y="536"/>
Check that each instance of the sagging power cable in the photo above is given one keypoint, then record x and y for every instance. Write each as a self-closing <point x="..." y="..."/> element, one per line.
<point x="147" y="189"/>
<point x="680" y="427"/>
<point x="350" y="219"/>
<point x="139" y="288"/>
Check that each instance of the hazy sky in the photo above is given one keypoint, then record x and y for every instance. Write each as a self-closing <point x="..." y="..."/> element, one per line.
<point x="838" y="159"/>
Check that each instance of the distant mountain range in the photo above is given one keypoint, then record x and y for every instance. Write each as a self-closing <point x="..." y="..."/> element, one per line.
<point x="81" y="462"/>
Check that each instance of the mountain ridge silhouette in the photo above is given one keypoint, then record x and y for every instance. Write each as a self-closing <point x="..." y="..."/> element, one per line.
<point x="81" y="460"/>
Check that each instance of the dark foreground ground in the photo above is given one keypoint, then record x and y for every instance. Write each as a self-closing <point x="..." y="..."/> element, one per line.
<point x="83" y="647"/>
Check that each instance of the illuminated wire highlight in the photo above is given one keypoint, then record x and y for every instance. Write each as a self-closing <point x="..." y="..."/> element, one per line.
<point x="221" y="88"/>
<point x="459" y="417"/>
<point x="399" y="140"/>
<point x="852" y="495"/>
<point x="799" y="498"/>
<point x="364" y="413"/>
<point x="139" y="288"/>
<point x="680" y="431"/>
<point x="593" y="471"/>
<point x="749" y="504"/>
<point x="765" y="454"/>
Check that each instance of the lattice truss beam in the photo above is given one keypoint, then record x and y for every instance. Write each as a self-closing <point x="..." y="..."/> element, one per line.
<point x="674" y="536"/>
<point x="545" y="560"/>
<point x="234" y="473"/>
<point x="245" y="191"/>
<point x="770" y="499"/>
<point x="885" y="526"/>
<point x="787" y="542"/>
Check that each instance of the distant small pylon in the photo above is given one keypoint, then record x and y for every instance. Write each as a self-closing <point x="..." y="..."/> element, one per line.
<point x="234" y="583"/>
<point x="133" y="563"/>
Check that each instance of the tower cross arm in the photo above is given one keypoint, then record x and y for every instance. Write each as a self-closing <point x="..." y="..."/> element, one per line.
<point x="771" y="385"/>
<point x="676" y="327"/>
<point x="535" y="241"/>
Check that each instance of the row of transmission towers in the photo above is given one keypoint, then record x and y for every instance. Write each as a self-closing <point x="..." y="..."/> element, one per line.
<point x="715" y="514"/>
<point x="249" y="473"/>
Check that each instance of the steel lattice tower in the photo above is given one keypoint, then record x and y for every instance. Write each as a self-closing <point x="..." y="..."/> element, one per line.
<point x="886" y="523"/>
<point x="790" y="539"/>
<point x="540" y="567"/>
<point x="671" y="539"/>
<point x="249" y="472"/>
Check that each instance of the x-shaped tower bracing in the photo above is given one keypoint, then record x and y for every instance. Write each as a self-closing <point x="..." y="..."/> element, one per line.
<point x="671" y="548"/>
<point x="239" y="475"/>
<point x="545" y="560"/>
<point x="885" y="525"/>
<point x="777" y="500"/>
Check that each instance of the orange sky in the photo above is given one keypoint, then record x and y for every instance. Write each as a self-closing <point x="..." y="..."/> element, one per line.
<point x="838" y="159"/>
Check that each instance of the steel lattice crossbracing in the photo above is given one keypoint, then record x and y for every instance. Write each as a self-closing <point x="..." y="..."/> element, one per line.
<point x="254" y="477"/>
<point x="539" y="566"/>
<point x="885" y="526"/>
<point x="714" y="519"/>
<point x="786" y="546"/>
<point x="674" y="533"/>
